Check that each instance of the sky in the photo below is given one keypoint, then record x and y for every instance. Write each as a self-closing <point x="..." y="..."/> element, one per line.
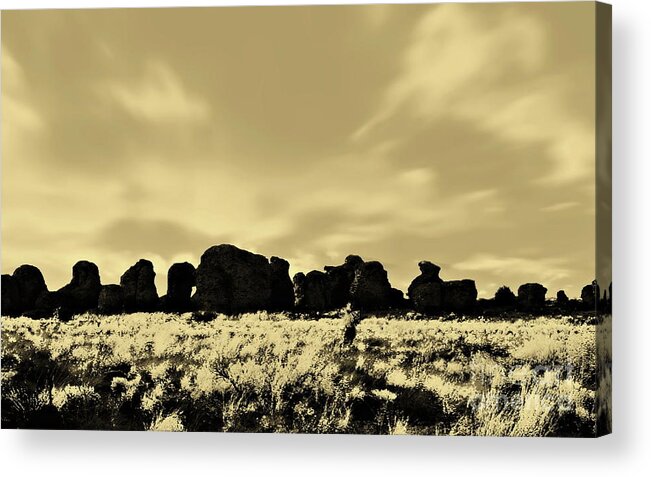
<point x="459" y="134"/>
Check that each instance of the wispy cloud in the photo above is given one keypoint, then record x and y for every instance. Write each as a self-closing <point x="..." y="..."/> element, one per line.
<point x="489" y="70"/>
<point x="560" y="206"/>
<point x="158" y="96"/>
<point x="545" y="270"/>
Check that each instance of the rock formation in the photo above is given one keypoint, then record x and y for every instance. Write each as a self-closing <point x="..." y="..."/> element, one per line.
<point x="590" y="295"/>
<point x="111" y="300"/>
<point x="82" y="293"/>
<point x="232" y="280"/>
<point x="371" y="289"/>
<point x="282" y="288"/>
<point x="562" y="299"/>
<point x="312" y="291"/>
<point x="10" y="298"/>
<point x="340" y="279"/>
<point x="426" y="290"/>
<point x="139" y="288"/>
<point x="181" y="278"/>
<point x="29" y="285"/>
<point x="459" y="295"/>
<point x="531" y="296"/>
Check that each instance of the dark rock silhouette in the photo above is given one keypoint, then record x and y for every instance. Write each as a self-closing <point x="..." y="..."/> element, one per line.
<point x="504" y="297"/>
<point x="50" y="304"/>
<point x="427" y="297"/>
<point x="561" y="299"/>
<point x="181" y="278"/>
<point x="487" y="306"/>
<point x="426" y="290"/>
<point x="531" y="296"/>
<point x="397" y="299"/>
<point x="82" y="293"/>
<point x="30" y="284"/>
<point x="312" y="291"/>
<point x="232" y="280"/>
<point x="590" y="295"/>
<point x="340" y="279"/>
<point x="459" y="295"/>
<point x="139" y="288"/>
<point x="371" y="289"/>
<point x="282" y="288"/>
<point x="10" y="297"/>
<point x="111" y="300"/>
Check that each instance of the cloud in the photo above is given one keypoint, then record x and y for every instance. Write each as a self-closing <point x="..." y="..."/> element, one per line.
<point x="560" y="206"/>
<point x="164" y="238"/>
<point x="19" y="116"/>
<point x="542" y="270"/>
<point x="159" y="96"/>
<point x="489" y="68"/>
<point x="158" y="133"/>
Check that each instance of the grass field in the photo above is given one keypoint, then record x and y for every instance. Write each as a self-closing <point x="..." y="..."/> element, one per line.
<point x="267" y="373"/>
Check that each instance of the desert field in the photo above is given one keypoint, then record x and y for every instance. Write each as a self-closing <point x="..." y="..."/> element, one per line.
<point x="270" y="373"/>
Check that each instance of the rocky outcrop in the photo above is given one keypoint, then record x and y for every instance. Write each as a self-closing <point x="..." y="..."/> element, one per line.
<point x="426" y="290"/>
<point x="30" y="285"/>
<point x="49" y="304"/>
<point x="562" y="299"/>
<point x="340" y="279"/>
<point x="111" y="300"/>
<point x="429" y="293"/>
<point x="181" y="278"/>
<point x="232" y="280"/>
<point x="397" y="300"/>
<point x="82" y="293"/>
<point x="139" y="287"/>
<point x="10" y="299"/>
<point x="590" y="296"/>
<point x="312" y="291"/>
<point x="282" y="288"/>
<point x="459" y="295"/>
<point x="371" y="289"/>
<point x="531" y="297"/>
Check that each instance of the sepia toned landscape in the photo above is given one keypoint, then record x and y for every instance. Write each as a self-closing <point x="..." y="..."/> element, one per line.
<point x="378" y="219"/>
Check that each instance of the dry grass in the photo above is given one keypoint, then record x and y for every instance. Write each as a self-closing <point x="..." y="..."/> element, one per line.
<point x="267" y="373"/>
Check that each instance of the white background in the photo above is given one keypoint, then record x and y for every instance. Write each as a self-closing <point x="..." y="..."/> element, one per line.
<point x="625" y="452"/>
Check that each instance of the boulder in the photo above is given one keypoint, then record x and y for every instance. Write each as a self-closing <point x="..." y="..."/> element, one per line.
<point x="427" y="297"/>
<point x="398" y="300"/>
<point x="49" y="304"/>
<point x="531" y="296"/>
<point x="426" y="290"/>
<point x="370" y="289"/>
<point x="561" y="299"/>
<point x="181" y="278"/>
<point x="139" y="287"/>
<point x="459" y="295"/>
<point x="111" y="300"/>
<point x="282" y="288"/>
<point x="340" y="279"/>
<point x="30" y="284"/>
<point x="312" y="291"/>
<point x="82" y="293"/>
<point x="590" y="296"/>
<point x="488" y="306"/>
<point x="232" y="280"/>
<point x="10" y="298"/>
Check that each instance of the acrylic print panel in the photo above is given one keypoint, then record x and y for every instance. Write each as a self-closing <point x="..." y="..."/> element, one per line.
<point x="436" y="179"/>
